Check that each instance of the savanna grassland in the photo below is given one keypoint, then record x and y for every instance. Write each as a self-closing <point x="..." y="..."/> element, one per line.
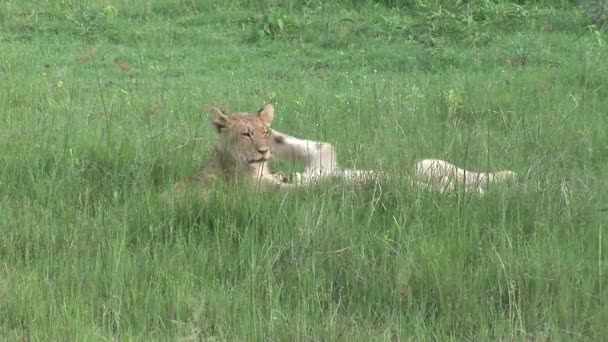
<point x="103" y="106"/>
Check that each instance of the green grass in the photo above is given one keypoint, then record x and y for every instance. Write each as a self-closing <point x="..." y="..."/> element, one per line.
<point x="102" y="107"/>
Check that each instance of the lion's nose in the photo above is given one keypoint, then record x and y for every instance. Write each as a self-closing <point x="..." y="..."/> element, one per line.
<point x="263" y="150"/>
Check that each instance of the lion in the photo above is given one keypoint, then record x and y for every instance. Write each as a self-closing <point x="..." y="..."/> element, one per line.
<point x="320" y="163"/>
<point x="245" y="144"/>
<point x="241" y="153"/>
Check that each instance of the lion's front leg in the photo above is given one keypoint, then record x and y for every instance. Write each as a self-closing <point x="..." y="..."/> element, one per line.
<point x="276" y="181"/>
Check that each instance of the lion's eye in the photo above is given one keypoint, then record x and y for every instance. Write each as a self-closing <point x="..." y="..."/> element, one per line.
<point x="247" y="134"/>
<point x="266" y="133"/>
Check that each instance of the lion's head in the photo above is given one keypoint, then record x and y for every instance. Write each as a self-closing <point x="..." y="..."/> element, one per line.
<point x="244" y="136"/>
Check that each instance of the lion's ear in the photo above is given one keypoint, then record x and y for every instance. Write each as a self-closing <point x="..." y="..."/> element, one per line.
<point x="218" y="119"/>
<point x="266" y="113"/>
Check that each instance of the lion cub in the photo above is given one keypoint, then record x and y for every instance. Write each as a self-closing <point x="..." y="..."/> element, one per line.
<point x="241" y="154"/>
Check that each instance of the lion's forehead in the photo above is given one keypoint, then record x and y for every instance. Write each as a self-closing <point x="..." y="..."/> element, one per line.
<point x="248" y="122"/>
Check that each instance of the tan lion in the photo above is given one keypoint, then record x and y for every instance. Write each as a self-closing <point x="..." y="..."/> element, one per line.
<point x="245" y="144"/>
<point x="241" y="153"/>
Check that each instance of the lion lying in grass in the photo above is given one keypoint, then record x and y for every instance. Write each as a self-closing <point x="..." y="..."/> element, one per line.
<point x="245" y="144"/>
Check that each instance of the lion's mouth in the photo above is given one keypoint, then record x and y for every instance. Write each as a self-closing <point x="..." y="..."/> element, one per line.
<point x="257" y="161"/>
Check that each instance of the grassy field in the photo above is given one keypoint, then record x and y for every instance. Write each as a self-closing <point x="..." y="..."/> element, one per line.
<point x="103" y="107"/>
